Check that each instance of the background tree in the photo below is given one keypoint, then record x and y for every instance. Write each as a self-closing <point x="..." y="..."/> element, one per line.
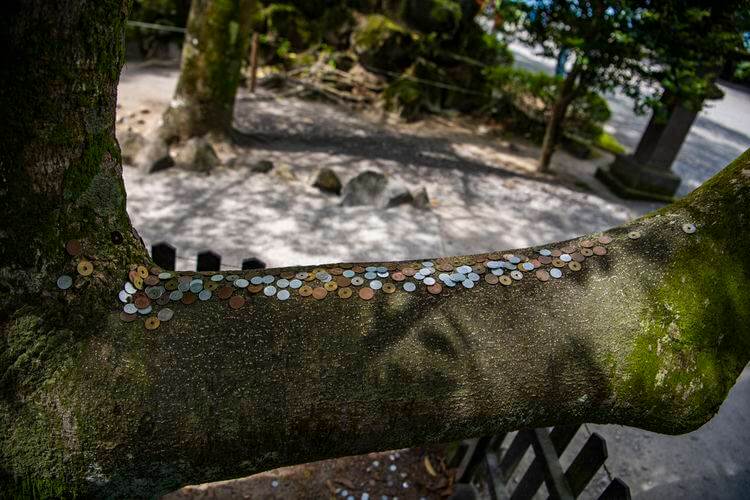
<point x="648" y="335"/>
<point x="215" y="47"/>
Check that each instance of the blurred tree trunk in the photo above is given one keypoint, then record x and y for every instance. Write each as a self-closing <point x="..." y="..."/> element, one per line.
<point x="553" y="131"/>
<point x="216" y="44"/>
<point x="653" y="334"/>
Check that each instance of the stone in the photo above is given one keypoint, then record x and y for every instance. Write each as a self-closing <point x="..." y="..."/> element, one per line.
<point x="131" y="143"/>
<point x="374" y="189"/>
<point x="154" y="156"/>
<point x="327" y="181"/>
<point x="198" y="155"/>
<point x="422" y="199"/>
<point x="284" y="171"/>
<point x="262" y="167"/>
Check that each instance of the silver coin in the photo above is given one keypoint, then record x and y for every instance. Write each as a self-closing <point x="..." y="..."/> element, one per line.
<point x="283" y="295"/>
<point x="514" y="259"/>
<point x="302" y="275"/>
<point x="419" y="276"/>
<point x="555" y="273"/>
<point x="269" y="291"/>
<point x="566" y="257"/>
<point x="268" y="279"/>
<point x="241" y="283"/>
<point x="473" y="277"/>
<point x="324" y="277"/>
<point x="689" y="228"/>
<point x="204" y="295"/>
<point x="449" y="282"/>
<point x="371" y="269"/>
<point x="493" y="264"/>
<point x="282" y="283"/>
<point x="349" y="273"/>
<point x="516" y="275"/>
<point x="429" y="281"/>
<point x="357" y="280"/>
<point x="527" y="266"/>
<point x="165" y="314"/>
<point x="463" y="269"/>
<point x="458" y="277"/>
<point x="175" y="295"/>
<point x="497" y="272"/>
<point x="183" y="286"/>
<point x="409" y="286"/>
<point x="371" y="275"/>
<point x="376" y="284"/>
<point x="443" y="276"/>
<point x="124" y="297"/>
<point x="145" y="310"/>
<point x="232" y="278"/>
<point x="383" y="274"/>
<point x="165" y="276"/>
<point x="154" y="292"/>
<point x="295" y="283"/>
<point x="509" y="266"/>
<point x="130" y="308"/>
<point x="467" y="283"/>
<point x="256" y="280"/>
<point x="381" y="269"/>
<point x="545" y="252"/>
<point x="129" y="288"/>
<point x="217" y="277"/>
<point x="426" y="271"/>
<point x="196" y="286"/>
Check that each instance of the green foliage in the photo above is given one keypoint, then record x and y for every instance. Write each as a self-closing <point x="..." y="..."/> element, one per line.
<point x="609" y="143"/>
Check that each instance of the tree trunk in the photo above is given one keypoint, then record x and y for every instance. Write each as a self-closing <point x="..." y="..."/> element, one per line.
<point x="554" y="126"/>
<point x="652" y="334"/>
<point x="215" y="46"/>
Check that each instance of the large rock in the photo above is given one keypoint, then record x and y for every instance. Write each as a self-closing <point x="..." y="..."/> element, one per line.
<point x="327" y="181"/>
<point x="374" y="189"/>
<point x="131" y="143"/>
<point x="154" y="156"/>
<point x="198" y="155"/>
<point x="422" y="199"/>
<point x="261" y="167"/>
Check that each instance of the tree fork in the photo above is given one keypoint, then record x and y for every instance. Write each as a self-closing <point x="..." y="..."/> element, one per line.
<point x="653" y="334"/>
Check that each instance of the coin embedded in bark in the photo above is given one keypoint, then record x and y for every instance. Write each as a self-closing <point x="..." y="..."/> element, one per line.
<point x="189" y="298"/>
<point x="305" y="290"/>
<point x="319" y="293"/>
<point x="342" y="281"/>
<point x="237" y="301"/>
<point x="64" y="282"/>
<point x="154" y="292"/>
<point x="211" y="285"/>
<point x="587" y="252"/>
<point x="142" y="271"/>
<point x="269" y="291"/>
<point x="302" y="275"/>
<point x="376" y="284"/>
<point x="505" y="280"/>
<point x="544" y="252"/>
<point x="634" y="235"/>
<point x="165" y="314"/>
<point x="516" y="275"/>
<point x="586" y="243"/>
<point x="600" y="250"/>
<point x="127" y="318"/>
<point x="330" y="286"/>
<point x="138" y="282"/>
<point x="295" y="283"/>
<point x="366" y="293"/>
<point x="204" y="295"/>
<point x="141" y="301"/>
<point x="217" y="277"/>
<point x="175" y="296"/>
<point x="574" y="266"/>
<point x="604" y="239"/>
<point x="163" y="300"/>
<point x="152" y="323"/>
<point x="73" y="247"/>
<point x="283" y="295"/>
<point x="542" y="275"/>
<point x="151" y="280"/>
<point x="389" y="287"/>
<point x="527" y="266"/>
<point x="345" y="292"/>
<point x="145" y="311"/>
<point x="435" y="289"/>
<point x="348" y="273"/>
<point x="568" y="249"/>
<point x="409" y="286"/>
<point x="491" y="279"/>
<point x="558" y="263"/>
<point x="566" y="257"/>
<point x="255" y="288"/>
<point x="256" y="280"/>
<point x="129" y="309"/>
<point x="578" y="257"/>
<point x="357" y="280"/>
<point x="555" y="273"/>
<point x="85" y="267"/>
<point x="689" y="228"/>
<point x="398" y="276"/>
<point x="467" y="283"/>
<point x="282" y="283"/>
<point x="241" y="283"/>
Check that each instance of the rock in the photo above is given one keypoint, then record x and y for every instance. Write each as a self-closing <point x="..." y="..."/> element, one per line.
<point x="374" y="189"/>
<point x="285" y="172"/>
<point x="327" y="181"/>
<point x="198" y="155"/>
<point x="131" y="144"/>
<point x="154" y="156"/>
<point x="262" y="167"/>
<point x="422" y="199"/>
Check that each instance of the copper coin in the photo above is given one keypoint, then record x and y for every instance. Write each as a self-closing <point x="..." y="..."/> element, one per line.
<point x="127" y="318"/>
<point x="152" y="323"/>
<point x="163" y="300"/>
<point x="211" y="285"/>
<point x="390" y="266"/>
<point x="331" y="286"/>
<point x="188" y="298"/>
<point x="141" y="301"/>
<point x="343" y="281"/>
<point x="319" y="293"/>
<point x="255" y="288"/>
<point x="236" y="301"/>
<point x="558" y="263"/>
<point x="604" y="239"/>
<point x="586" y="243"/>
<point x="536" y="263"/>
<point x="306" y="291"/>
<point x="85" y="267"/>
<point x="568" y="249"/>
<point x="151" y="280"/>
<point x="491" y="279"/>
<point x="574" y="266"/>
<point x="505" y="279"/>
<point x="445" y="267"/>
<point x="132" y="275"/>
<point x="577" y="257"/>
<point x="224" y="292"/>
<point x="345" y="292"/>
<point x="389" y="287"/>
<point x="480" y="269"/>
<point x="366" y="293"/>
<point x="73" y="247"/>
<point x="587" y="252"/>
<point x="398" y="276"/>
<point x="556" y="252"/>
<point x="408" y="271"/>
<point x="138" y="282"/>
<point x="155" y="270"/>
<point x="142" y="271"/>
<point x="435" y="289"/>
<point x="358" y="269"/>
<point x="336" y="271"/>
<point x="542" y="275"/>
<point x="599" y="250"/>
<point x="545" y="259"/>
<point x="287" y="275"/>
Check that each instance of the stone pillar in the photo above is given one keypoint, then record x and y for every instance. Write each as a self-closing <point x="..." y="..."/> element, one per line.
<point x="647" y="174"/>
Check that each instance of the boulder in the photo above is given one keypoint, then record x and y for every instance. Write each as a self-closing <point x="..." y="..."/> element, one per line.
<point x="285" y="171"/>
<point x="131" y="143"/>
<point x="154" y="156"/>
<point x="198" y="155"/>
<point x="327" y="181"/>
<point x="374" y="189"/>
<point x="262" y="167"/>
<point x="422" y="199"/>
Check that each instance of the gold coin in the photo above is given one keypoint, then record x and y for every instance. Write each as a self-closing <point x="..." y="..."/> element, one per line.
<point x="574" y="266"/>
<point x="558" y="263"/>
<point x="310" y="277"/>
<point x="319" y="293"/>
<point x="211" y="285"/>
<point x="142" y="271"/>
<point x="305" y="291"/>
<point x="330" y="286"/>
<point x="587" y="252"/>
<point x="138" y="282"/>
<point x="85" y="267"/>
<point x="152" y="323"/>
<point x="505" y="280"/>
<point x="389" y="287"/>
<point x="345" y="292"/>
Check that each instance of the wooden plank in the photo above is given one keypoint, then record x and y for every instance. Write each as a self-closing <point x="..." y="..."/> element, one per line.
<point x="557" y="485"/>
<point x="477" y="459"/>
<point x="513" y="456"/>
<point x="587" y="462"/>
<point x="561" y="436"/>
<point x="497" y="442"/>
<point x="617" y="490"/>
<point x="496" y="488"/>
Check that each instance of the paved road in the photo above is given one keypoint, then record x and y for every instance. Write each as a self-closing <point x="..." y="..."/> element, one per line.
<point x="719" y="135"/>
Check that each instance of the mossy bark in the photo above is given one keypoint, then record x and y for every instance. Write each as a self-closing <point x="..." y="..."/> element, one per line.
<point x="216" y="44"/>
<point x="652" y="335"/>
<point x="553" y="130"/>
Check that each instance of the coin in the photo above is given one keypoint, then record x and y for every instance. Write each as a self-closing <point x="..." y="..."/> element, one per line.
<point x="342" y="281"/>
<point x="357" y="280"/>
<point x="634" y="235"/>
<point x="358" y="269"/>
<point x="491" y="279"/>
<point x="544" y="252"/>
<point x="305" y="291"/>
<point x="398" y="276"/>
<point x="407" y="271"/>
<point x="141" y="301"/>
<point x="188" y="298"/>
<point x="204" y="295"/>
<point x="282" y="283"/>
<point x="283" y="295"/>
<point x="217" y="277"/>
<point x="302" y="275"/>
<point x="85" y="267"/>
<point x="127" y="318"/>
<point x="175" y="296"/>
<point x="467" y="283"/>
<point x="556" y="252"/>
<point x="237" y="301"/>
<point x="73" y="247"/>
<point x="142" y="271"/>
<point x="129" y="288"/>
<point x="558" y="263"/>
<point x="154" y="292"/>
<point x="604" y="239"/>
<point x="578" y="257"/>
<point x="152" y="323"/>
<point x="574" y="266"/>
<point x="336" y="271"/>
<point x="542" y="275"/>
<point x="366" y="293"/>
<point x="545" y="259"/>
<point x="163" y="300"/>
<point x="269" y="291"/>
<point x="319" y="293"/>
<point x="295" y="283"/>
<point x="435" y="289"/>
<point x="587" y="252"/>
<point x="241" y="283"/>
<point x="345" y="292"/>
<point x="211" y="285"/>
<point x="348" y="273"/>
<point x="409" y="286"/>
<point x="389" y="287"/>
<point x="555" y="273"/>
<point x="516" y="275"/>
<point x="689" y="228"/>
<point x="586" y="243"/>
<point x="568" y="249"/>
<point x="287" y="275"/>
<point x="255" y="288"/>
<point x="138" y="282"/>
<point x="330" y="286"/>
<point x="145" y="311"/>
<point x="566" y="257"/>
<point x="151" y="280"/>
<point x="64" y="282"/>
<point x="505" y="280"/>
<point x="599" y="250"/>
<point x="165" y="314"/>
<point x="129" y="309"/>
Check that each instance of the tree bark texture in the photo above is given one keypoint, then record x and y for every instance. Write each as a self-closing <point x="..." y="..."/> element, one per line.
<point x="653" y="334"/>
<point x="216" y="44"/>
<point x="557" y="116"/>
